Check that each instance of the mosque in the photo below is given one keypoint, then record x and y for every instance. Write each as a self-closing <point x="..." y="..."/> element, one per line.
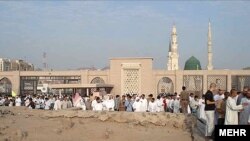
<point x="192" y="63"/>
<point x="129" y="76"/>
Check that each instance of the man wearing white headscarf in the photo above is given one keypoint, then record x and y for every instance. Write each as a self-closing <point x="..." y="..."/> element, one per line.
<point x="152" y="105"/>
<point x="98" y="106"/>
<point x="57" y="105"/>
<point x="176" y="105"/>
<point x="110" y="103"/>
<point x="78" y="101"/>
<point x="232" y="109"/>
<point x="18" y="101"/>
<point x="144" y="103"/>
<point x="93" y="103"/>
<point x="137" y="105"/>
<point x="159" y="103"/>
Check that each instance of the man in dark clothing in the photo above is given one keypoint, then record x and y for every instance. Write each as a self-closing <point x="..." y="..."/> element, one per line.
<point x="209" y="109"/>
<point x="31" y="104"/>
<point x="242" y="95"/>
<point x="184" y="100"/>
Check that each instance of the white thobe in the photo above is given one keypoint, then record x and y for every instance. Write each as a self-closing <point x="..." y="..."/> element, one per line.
<point x="47" y="105"/>
<point x="110" y="104"/>
<point x="98" y="107"/>
<point x="93" y="104"/>
<point x="176" y="106"/>
<point x="37" y="103"/>
<point x="18" y="101"/>
<point x="167" y="102"/>
<point x="159" y="104"/>
<point x="42" y="103"/>
<point x="137" y="106"/>
<point x="27" y="102"/>
<point x="189" y="110"/>
<point x="11" y="104"/>
<point x="244" y="115"/>
<point x="64" y="104"/>
<point x="152" y="106"/>
<point x="144" y="105"/>
<point x="57" y="105"/>
<point x="194" y="104"/>
<point x="79" y="104"/>
<point x="170" y="104"/>
<point x="231" y="117"/>
<point x="218" y="97"/>
<point x="201" y="110"/>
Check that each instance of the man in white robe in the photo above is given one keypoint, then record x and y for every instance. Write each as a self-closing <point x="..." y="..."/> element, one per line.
<point x="47" y="104"/>
<point x="57" y="105"/>
<point x="93" y="103"/>
<point x="170" y="104"/>
<point x="194" y="104"/>
<point x="64" y="103"/>
<point x="244" y="115"/>
<point x="176" y="105"/>
<point x="159" y="104"/>
<point x="78" y="101"/>
<point x="110" y="103"/>
<point x="201" y="110"/>
<point x="144" y="103"/>
<point x="231" y="117"/>
<point x="152" y="105"/>
<point x="98" y="106"/>
<point x="37" y="102"/>
<point x="137" y="105"/>
<point x="18" y="101"/>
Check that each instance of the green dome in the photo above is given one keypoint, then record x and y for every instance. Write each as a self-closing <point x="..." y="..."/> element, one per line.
<point x="192" y="64"/>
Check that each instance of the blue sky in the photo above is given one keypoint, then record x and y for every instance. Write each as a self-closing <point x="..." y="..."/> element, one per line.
<point x="88" y="33"/>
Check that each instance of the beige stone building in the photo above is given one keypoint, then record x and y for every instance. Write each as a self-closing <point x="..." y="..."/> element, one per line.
<point x="15" y="65"/>
<point x="125" y="76"/>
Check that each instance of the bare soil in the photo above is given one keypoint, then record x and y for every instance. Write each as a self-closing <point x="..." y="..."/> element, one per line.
<point x="23" y="124"/>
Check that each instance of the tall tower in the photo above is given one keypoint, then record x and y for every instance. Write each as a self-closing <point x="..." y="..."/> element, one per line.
<point x="209" y="48"/>
<point x="44" y="61"/>
<point x="173" y="55"/>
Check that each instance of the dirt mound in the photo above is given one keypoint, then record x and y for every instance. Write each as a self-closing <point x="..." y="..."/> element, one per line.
<point x="158" y="119"/>
<point x="23" y="124"/>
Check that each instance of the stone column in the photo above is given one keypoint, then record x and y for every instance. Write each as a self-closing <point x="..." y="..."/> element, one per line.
<point x="87" y="91"/>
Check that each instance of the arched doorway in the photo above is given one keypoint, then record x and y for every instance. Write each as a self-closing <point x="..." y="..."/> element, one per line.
<point x="97" y="80"/>
<point x="165" y="85"/>
<point x="5" y="86"/>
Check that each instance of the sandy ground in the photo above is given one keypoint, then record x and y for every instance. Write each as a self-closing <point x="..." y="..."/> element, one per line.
<point x="22" y="124"/>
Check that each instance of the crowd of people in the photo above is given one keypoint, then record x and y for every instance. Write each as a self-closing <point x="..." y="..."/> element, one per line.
<point x="226" y="108"/>
<point x="214" y="107"/>
<point x="129" y="103"/>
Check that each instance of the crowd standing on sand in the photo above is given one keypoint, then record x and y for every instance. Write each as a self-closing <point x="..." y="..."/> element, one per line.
<point x="214" y="107"/>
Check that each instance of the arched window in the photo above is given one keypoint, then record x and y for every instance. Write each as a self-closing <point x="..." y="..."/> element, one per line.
<point x="5" y="86"/>
<point x="97" y="80"/>
<point x="165" y="85"/>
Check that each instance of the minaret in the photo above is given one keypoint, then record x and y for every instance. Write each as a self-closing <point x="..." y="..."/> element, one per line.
<point x="169" y="56"/>
<point x="209" y="47"/>
<point x="173" y="56"/>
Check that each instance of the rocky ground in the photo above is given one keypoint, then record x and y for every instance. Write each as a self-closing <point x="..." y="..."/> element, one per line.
<point x="23" y="124"/>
